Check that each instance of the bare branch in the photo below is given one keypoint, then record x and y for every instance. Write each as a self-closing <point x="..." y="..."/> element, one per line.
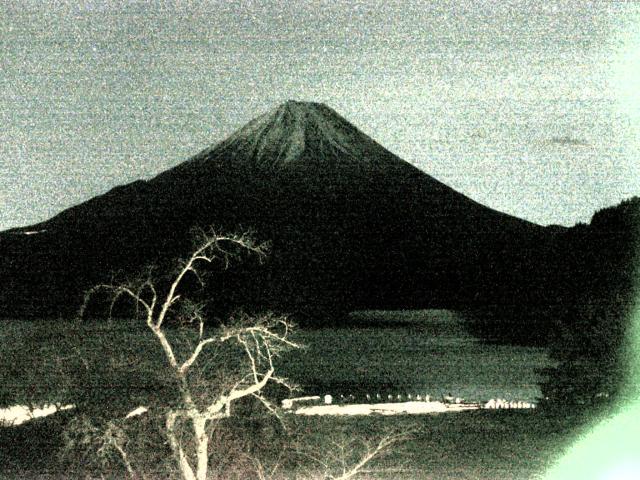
<point x="225" y="400"/>
<point x="337" y="461"/>
<point x="204" y="258"/>
<point x="382" y="447"/>
<point x="197" y="275"/>
<point x="112" y="438"/>
<point x="194" y="356"/>
<point x="285" y="383"/>
<point x="315" y="458"/>
<point x="272" y="409"/>
<point x="256" y="387"/>
<point x="117" y="291"/>
<point x="261" y="339"/>
<point x="254" y="368"/>
<point x="208" y="251"/>
<point x="166" y="346"/>
<point x="115" y="298"/>
<point x="185" y="468"/>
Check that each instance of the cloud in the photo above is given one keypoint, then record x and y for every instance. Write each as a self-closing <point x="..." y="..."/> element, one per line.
<point x="567" y="140"/>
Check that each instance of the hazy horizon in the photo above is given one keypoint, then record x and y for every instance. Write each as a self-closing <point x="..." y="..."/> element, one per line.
<point x="530" y="109"/>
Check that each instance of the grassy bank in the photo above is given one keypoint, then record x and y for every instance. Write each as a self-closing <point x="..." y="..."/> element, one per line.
<point x="470" y="445"/>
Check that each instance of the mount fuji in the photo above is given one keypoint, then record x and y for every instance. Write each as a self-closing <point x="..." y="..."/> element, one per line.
<point x="352" y="226"/>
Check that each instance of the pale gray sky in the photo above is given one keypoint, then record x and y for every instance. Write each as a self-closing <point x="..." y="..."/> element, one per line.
<point x="532" y="108"/>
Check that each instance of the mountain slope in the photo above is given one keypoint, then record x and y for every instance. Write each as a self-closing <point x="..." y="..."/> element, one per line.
<point x="352" y="226"/>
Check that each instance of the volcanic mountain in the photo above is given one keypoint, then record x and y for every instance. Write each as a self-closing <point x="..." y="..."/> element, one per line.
<point x="351" y="225"/>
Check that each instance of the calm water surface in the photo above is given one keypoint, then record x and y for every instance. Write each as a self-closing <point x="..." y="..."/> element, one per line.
<point x="413" y="352"/>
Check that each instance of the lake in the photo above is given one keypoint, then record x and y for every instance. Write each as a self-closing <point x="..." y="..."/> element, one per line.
<point x="412" y="352"/>
<point x="390" y="353"/>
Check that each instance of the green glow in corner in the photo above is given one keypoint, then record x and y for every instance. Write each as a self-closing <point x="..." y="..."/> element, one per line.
<point x="611" y="449"/>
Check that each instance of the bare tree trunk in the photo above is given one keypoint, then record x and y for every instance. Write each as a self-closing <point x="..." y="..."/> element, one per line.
<point x="202" y="446"/>
<point x="186" y="472"/>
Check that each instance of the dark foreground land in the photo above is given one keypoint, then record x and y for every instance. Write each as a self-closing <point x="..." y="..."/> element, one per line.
<point x="485" y="444"/>
<point x="414" y="354"/>
<point x="410" y="353"/>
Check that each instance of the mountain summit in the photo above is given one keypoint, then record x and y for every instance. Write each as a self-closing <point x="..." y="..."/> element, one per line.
<point x="352" y="226"/>
<point x="281" y="138"/>
<point x="303" y="140"/>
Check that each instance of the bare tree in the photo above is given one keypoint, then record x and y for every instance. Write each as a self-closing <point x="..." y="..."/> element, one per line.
<point x="260" y="338"/>
<point x="345" y="459"/>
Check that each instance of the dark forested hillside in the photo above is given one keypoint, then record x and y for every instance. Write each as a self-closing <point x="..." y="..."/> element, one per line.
<point x="591" y="329"/>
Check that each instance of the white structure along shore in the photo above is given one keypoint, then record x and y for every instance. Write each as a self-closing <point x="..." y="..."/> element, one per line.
<point x="19" y="414"/>
<point x="395" y="408"/>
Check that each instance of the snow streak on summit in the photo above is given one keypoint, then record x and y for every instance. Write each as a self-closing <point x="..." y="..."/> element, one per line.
<point x="281" y="136"/>
<point x="301" y="135"/>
